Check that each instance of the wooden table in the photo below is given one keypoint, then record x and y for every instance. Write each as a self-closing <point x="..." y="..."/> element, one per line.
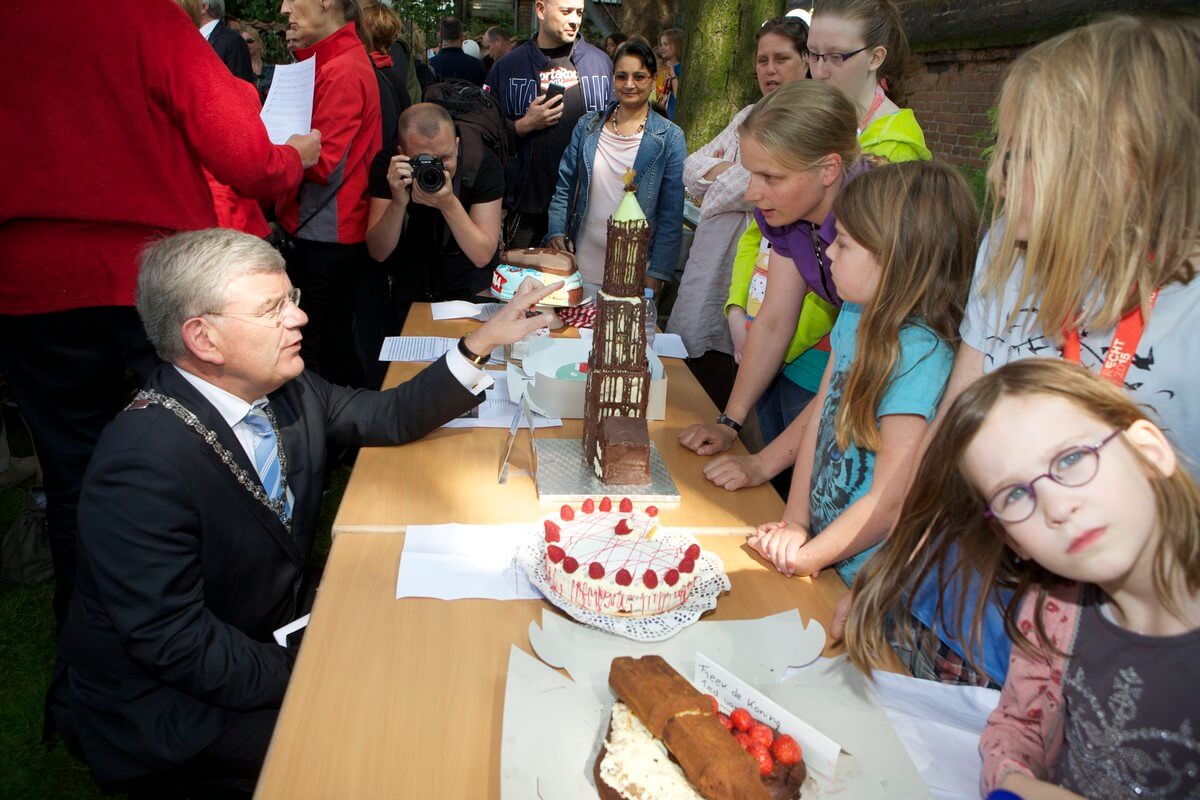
<point x="404" y="698"/>
<point x="457" y="467"/>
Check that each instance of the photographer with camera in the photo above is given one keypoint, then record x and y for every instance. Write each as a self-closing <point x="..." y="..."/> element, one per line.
<point x="436" y="225"/>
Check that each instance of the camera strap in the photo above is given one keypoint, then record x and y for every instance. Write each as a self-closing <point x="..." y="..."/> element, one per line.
<point x="324" y="204"/>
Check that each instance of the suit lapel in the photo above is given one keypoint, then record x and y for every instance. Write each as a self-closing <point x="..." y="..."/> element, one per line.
<point x="212" y="36"/>
<point x="172" y="384"/>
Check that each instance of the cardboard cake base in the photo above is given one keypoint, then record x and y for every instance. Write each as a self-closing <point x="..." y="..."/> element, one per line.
<point x="563" y="477"/>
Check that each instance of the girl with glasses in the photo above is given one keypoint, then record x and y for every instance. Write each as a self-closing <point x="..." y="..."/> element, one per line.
<point x="902" y="265"/>
<point x="860" y="47"/>
<point x="1052" y="483"/>
<point x="1092" y="254"/>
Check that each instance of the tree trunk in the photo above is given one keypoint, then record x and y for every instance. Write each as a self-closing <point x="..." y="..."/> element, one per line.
<point x="647" y="18"/>
<point x="718" y="64"/>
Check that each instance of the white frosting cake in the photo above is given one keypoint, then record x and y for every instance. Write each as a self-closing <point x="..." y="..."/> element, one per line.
<point x="607" y="561"/>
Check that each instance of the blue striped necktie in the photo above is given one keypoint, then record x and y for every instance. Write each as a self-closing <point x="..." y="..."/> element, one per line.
<point x="266" y="453"/>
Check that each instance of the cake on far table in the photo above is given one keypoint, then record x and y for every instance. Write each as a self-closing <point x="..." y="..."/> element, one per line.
<point x="605" y="557"/>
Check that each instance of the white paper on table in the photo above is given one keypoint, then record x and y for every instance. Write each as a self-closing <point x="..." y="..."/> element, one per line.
<point x="464" y="309"/>
<point x="452" y="562"/>
<point x="424" y="348"/>
<point x="820" y="752"/>
<point x="288" y="109"/>
<point x="498" y="409"/>
<point x="669" y="345"/>
<point x="939" y="725"/>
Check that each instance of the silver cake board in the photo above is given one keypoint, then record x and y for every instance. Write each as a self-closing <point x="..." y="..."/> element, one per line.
<point x="563" y="477"/>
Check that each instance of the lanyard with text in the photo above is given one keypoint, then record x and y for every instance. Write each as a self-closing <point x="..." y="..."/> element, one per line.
<point x="876" y="102"/>
<point x="1122" y="350"/>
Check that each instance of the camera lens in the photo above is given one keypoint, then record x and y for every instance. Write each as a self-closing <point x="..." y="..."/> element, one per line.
<point x="428" y="174"/>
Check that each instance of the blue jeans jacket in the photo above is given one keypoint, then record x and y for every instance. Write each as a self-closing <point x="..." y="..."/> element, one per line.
<point x="659" y="166"/>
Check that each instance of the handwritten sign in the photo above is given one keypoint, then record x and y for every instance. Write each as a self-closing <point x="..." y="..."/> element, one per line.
<point x="820" y="752"/>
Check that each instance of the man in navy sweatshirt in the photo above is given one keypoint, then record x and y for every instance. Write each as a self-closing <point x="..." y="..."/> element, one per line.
<point x="542" y="125"/>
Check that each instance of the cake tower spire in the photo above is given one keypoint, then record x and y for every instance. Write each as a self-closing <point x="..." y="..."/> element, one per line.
<point x="616" y="441"/>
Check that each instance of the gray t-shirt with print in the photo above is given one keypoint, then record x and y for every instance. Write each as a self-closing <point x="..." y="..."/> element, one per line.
<point x="1164" y="377"/>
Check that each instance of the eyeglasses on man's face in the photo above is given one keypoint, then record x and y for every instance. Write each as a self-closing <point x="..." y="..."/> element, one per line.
<point x="271" y="318"/>
<point x="832" y="59"/>
<point x="1074" y="466"/>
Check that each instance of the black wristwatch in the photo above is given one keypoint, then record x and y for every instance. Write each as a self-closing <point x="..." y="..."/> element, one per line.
<point x="478" y="361"/>
<point x="725" y="420"/>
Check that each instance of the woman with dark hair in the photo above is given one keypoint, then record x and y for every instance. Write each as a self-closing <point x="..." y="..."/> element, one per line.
<point x="613" y="41"/>
<point x="629" y="133"/>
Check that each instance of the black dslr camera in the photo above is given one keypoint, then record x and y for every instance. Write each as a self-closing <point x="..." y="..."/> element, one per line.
<point x="429" y="173"/>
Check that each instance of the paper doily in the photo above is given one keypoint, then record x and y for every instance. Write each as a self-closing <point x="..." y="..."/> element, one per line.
<point x="710" y="582"/>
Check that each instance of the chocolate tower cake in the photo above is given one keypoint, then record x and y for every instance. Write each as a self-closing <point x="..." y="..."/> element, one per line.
<point x="618" y="382"/>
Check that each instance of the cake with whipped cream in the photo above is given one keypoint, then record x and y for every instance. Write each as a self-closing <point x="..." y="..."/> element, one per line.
<point x="667" y="741"/>
<point x="606" y="557"/>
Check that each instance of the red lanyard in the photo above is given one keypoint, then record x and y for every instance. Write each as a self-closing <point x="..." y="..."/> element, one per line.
<point x="1122" y="350"/>
<point x="875" y="104"/>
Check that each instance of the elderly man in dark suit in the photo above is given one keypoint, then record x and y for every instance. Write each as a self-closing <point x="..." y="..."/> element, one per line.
<point x="199" y="510"/>
<point x="231" y="48"/>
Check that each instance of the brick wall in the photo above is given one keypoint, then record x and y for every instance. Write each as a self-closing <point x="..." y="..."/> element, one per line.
<point x="951" y="93"/>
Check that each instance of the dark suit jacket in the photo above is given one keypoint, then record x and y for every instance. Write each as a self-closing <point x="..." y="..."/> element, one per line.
<point x="233" y="50"/>
<point x="452" y="62"/>
<point x="183" y="575"/>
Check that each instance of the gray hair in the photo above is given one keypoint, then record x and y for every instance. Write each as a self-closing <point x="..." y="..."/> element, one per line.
<point x="186" y="275"/>
<point x="216" y="8"/>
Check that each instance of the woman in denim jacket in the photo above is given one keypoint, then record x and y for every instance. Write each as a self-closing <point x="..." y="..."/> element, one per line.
<point x="629" y="133"/>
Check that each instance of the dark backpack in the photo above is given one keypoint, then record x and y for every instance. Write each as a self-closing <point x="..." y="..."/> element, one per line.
<point x="477" y="117"/>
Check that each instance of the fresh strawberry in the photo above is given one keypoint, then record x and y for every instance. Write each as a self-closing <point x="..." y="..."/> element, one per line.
<point x="716" y="706"/>
<point x="606" y="504"/>
<point x="552" y="530"/>
<point x="555" y="553"/>
<point x="762" y="755"/>
<point x="567" y="513"/>
<point x="693" y="551"/>
<point x="626" y="505"/>
<point x="761" y="734"/>
<point x="650" y="578"/>
<point x="624" y="578"/>
<point x="726" y="721"/>
<point x="570" y="565"/>
<point x="672" y="577"/>
<point x="687" y="565"/>
<point x="623" y="527"/>
<point x="595" y="571"/>
<point x="786" y="751"/>
<point x="588" y="506"/>
<point x="742" y="719"/>
<point x="742" y="739"/>
<point x="651" y="511"/>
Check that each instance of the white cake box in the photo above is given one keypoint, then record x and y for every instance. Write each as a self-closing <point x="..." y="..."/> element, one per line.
<point x="550" y="378"/>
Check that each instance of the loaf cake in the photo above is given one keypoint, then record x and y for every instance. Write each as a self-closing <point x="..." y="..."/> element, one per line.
<point x="666" y="740"/>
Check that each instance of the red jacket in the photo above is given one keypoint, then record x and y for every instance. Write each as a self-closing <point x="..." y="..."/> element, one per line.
<point x="346" y="112"/>
<point x="97" y="160"/>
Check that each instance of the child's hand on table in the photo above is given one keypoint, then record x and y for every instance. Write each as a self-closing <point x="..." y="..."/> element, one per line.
<point x="782" y="543"/>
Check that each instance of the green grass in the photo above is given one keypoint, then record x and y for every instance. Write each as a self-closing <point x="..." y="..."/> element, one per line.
<point x="30" y="770"/>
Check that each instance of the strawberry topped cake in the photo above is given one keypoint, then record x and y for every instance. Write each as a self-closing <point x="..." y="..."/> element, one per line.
<point x="605" y="557"/>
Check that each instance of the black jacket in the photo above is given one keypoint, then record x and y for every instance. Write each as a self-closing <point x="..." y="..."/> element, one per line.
<point x="232" y="49"/>
<point x="183" y="575"/>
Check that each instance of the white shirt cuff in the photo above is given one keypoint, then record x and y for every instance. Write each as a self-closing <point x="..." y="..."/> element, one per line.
<point x="473" y="378"/>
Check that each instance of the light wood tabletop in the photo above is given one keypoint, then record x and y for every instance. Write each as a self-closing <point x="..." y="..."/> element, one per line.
<point x="450" y="475"/>
<point x="404" y="698"/>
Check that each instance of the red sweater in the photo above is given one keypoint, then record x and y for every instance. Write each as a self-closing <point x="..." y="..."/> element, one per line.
<point x="346" y="112"/>
<point x="103" y="150"/>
